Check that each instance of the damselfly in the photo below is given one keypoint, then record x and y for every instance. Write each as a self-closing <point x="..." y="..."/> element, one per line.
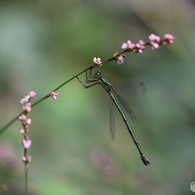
<point x="97" y="78"/>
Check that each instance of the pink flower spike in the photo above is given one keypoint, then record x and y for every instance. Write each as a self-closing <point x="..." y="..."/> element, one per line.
<point x="32" y="94"/>
<point x="26" y="143"/>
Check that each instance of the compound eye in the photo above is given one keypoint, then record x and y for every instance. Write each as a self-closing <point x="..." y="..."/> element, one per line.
<point x="98" y="73"/>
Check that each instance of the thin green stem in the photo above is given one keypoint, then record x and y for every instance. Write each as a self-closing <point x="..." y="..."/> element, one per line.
<point x="10" y="123"/>
<point x="26" y="180"/>
<point x="45" y="97"/>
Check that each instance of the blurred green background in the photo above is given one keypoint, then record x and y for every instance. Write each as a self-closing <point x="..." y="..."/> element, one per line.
<point x="43" y="43"/>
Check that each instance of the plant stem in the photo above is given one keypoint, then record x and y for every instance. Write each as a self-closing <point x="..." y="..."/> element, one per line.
<point x="45" y="97"/>
<point x="26" y="180"/>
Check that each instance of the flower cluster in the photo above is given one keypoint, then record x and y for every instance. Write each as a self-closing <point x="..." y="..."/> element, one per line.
<point x="25" y="124"/>
<point x="154" y="41"/>
<point x="137" y="48"/>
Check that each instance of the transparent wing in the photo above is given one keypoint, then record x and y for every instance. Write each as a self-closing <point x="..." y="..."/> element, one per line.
<point x="112" y="120"/>
<point x="125" y="106"/>
<point x="134" y="89"/>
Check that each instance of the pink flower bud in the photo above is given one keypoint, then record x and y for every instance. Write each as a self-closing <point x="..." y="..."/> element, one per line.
<point x="28" y="121"/>
<point x="154" y="37"/>
<point x="141" y="43"/>
<point x="25" y="99"/>
<point x="26" y="143"/>
<point x="29" y="158"/>
<point x="22" y="118"/>
<point x="154" y="45"/>
<point x="128" y="45"/>
<point x="28" y="104"/>
<point x="24" y="159"/>
<point x="53" y="95"/>
<point x="32" y="94"/>
<point x="169" y="36"/>
<point x="27" y="108"/>
<point x="97" y="61"/>
<point x="169" y="39"/>
<point x="22" y="131"/>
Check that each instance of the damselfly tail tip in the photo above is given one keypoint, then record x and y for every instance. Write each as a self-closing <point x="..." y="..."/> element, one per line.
<point x="145" y="160"/>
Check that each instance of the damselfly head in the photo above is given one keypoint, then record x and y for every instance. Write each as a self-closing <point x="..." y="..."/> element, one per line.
<point x="98" y="74"/>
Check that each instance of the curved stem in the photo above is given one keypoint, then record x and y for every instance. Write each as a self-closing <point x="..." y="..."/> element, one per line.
<point x="45" y="97"/>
